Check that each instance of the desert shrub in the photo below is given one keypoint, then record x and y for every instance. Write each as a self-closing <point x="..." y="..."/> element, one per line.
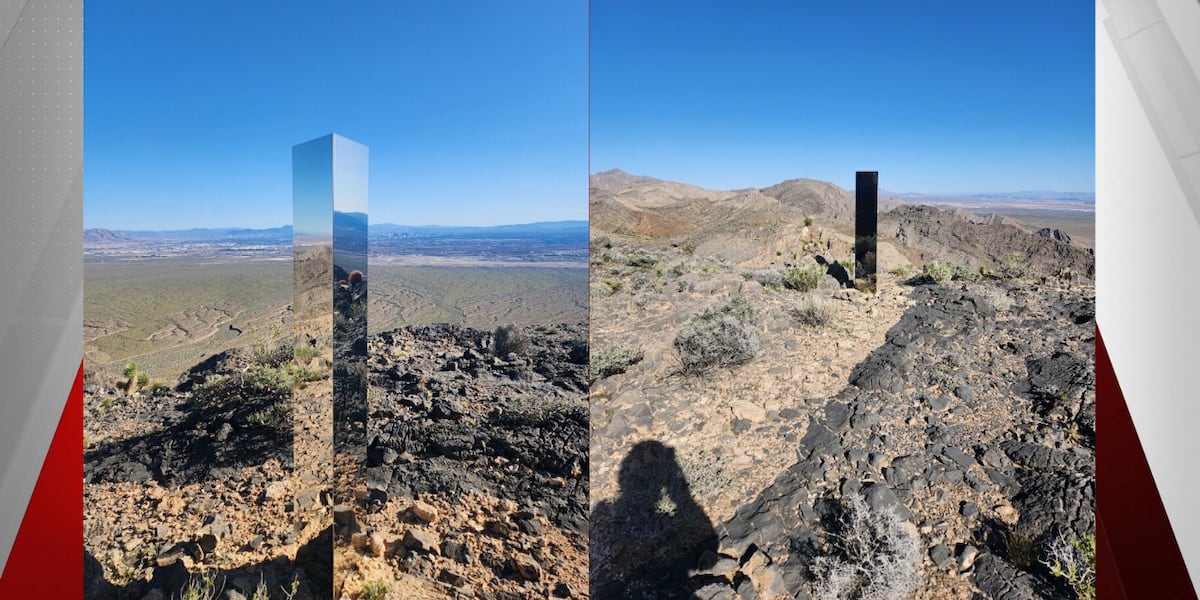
<point x="375" y="590"/>
<point x="718" y="337"/>
<point x="994" y="299"/>
<point x="267" y="354"/>
<point x="813" y="311"/>
<point x="132" y="378"/>
<point x="902" y="272"/>
<point x="615" y="358"/>
<point x="255" y="384"/>
<point x="769" y="278"/>
<point x="305" y="354"/>
<point x="201" y="588"/>
<point x="804" y="277"/>
<point x="614" y="285"/>
<point x="642" y="262"/>
<point x="1012" y="266"/>
<point x="808" y="221"/>
<point x="874" y="557"/>
<point x="1021" y="550"/>
<point x="274" y="416"/>
<point x="508" y="340"/>
<point x="940" y="271"/>
<point x="261" y="592"/>
<point x="1074" y="559"/>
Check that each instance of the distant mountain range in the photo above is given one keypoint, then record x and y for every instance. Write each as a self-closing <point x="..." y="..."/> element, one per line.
<point x="554" y="230"/>
<point x="1019" y="196"/>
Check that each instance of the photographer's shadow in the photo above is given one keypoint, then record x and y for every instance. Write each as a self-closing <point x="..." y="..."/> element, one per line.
<point x="645" y="542"/>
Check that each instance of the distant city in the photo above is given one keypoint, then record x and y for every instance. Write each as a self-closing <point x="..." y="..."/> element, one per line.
<point x="558" y="241"/>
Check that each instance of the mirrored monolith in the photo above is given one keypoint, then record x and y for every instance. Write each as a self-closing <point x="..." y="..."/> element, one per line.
<point x="866" y="227"/>
<point x="349" y="317"/>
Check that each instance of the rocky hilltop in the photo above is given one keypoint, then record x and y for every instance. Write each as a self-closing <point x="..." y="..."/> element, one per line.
<point x="475" y="472"/>
<point x="759" y="227"/>
<point x="760" y="430"/>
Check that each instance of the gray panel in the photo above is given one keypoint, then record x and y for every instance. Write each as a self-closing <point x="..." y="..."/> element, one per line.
<point x="1131" y="17"/>
<point x="1165" y="82"/>
<point x="41" y="239"/>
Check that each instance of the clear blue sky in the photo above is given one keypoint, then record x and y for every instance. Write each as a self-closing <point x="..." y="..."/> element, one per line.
<point x="475" y="112"/>
<point x="940" y="97"/>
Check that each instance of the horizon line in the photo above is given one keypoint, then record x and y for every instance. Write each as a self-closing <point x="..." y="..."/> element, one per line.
<point x="369" y="224"/>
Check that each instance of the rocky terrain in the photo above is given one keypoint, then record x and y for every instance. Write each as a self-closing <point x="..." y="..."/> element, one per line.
<point x="474" y="482"/>
<point x="959" y="398"/>
<point x="477" y="463"/>
<point x="199" y="480"/>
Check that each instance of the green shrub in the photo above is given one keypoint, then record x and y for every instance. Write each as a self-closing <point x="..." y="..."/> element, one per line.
<point x="940" y="271"/>
<point x="902" y="272"/>
<point x="274" y="416"/>
<point x="1074" y="559"/>
<point x="305" y="354"/>
<point x="375" y="590"/>
<point x="257" y="383"/>
<point x="804" y="278"/>
<point x="718" y="337"/>
<point x="614" y="358"/>
<point x="202" y="588"/>
<point x="1012" y="266"/>
<point x="808" y="221"/>
<point x="132" y="378"/>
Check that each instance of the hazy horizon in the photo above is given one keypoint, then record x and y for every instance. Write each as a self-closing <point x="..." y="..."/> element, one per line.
<point x="369" y="224"/>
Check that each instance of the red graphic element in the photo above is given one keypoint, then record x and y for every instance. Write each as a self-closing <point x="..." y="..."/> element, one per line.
<point x="355" y="277"/>
<point x="47" y="555"/>
<point x="1137" y="555"/>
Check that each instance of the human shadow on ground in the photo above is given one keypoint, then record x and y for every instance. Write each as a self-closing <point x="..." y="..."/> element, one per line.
<point x="645" y="542"/>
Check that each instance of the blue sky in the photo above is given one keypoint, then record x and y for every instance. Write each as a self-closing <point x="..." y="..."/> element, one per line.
<point x="940" y="97"/>
<point x="475" y="112"/>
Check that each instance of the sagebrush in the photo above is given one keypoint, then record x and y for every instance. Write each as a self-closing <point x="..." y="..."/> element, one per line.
<point x="614" y="358"/>
<point x="718" y="337"/>
<point x="814" y="311"/>
<point x="874" y="556"/>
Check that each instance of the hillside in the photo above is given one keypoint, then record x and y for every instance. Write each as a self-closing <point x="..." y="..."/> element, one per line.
<point x="732" y="447"/>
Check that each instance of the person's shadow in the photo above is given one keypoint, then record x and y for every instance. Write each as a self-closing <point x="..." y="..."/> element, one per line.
<point x="645" y="542"/>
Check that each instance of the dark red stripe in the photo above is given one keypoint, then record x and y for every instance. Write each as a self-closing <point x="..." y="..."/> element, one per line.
<point x="47" y="555"/>
<point x="1108" y="580"/>
<point x="1133" y="528"/>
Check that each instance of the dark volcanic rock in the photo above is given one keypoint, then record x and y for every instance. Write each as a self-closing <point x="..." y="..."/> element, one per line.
<point x="1008" y="432"/>
<point x="514" y="427"/>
